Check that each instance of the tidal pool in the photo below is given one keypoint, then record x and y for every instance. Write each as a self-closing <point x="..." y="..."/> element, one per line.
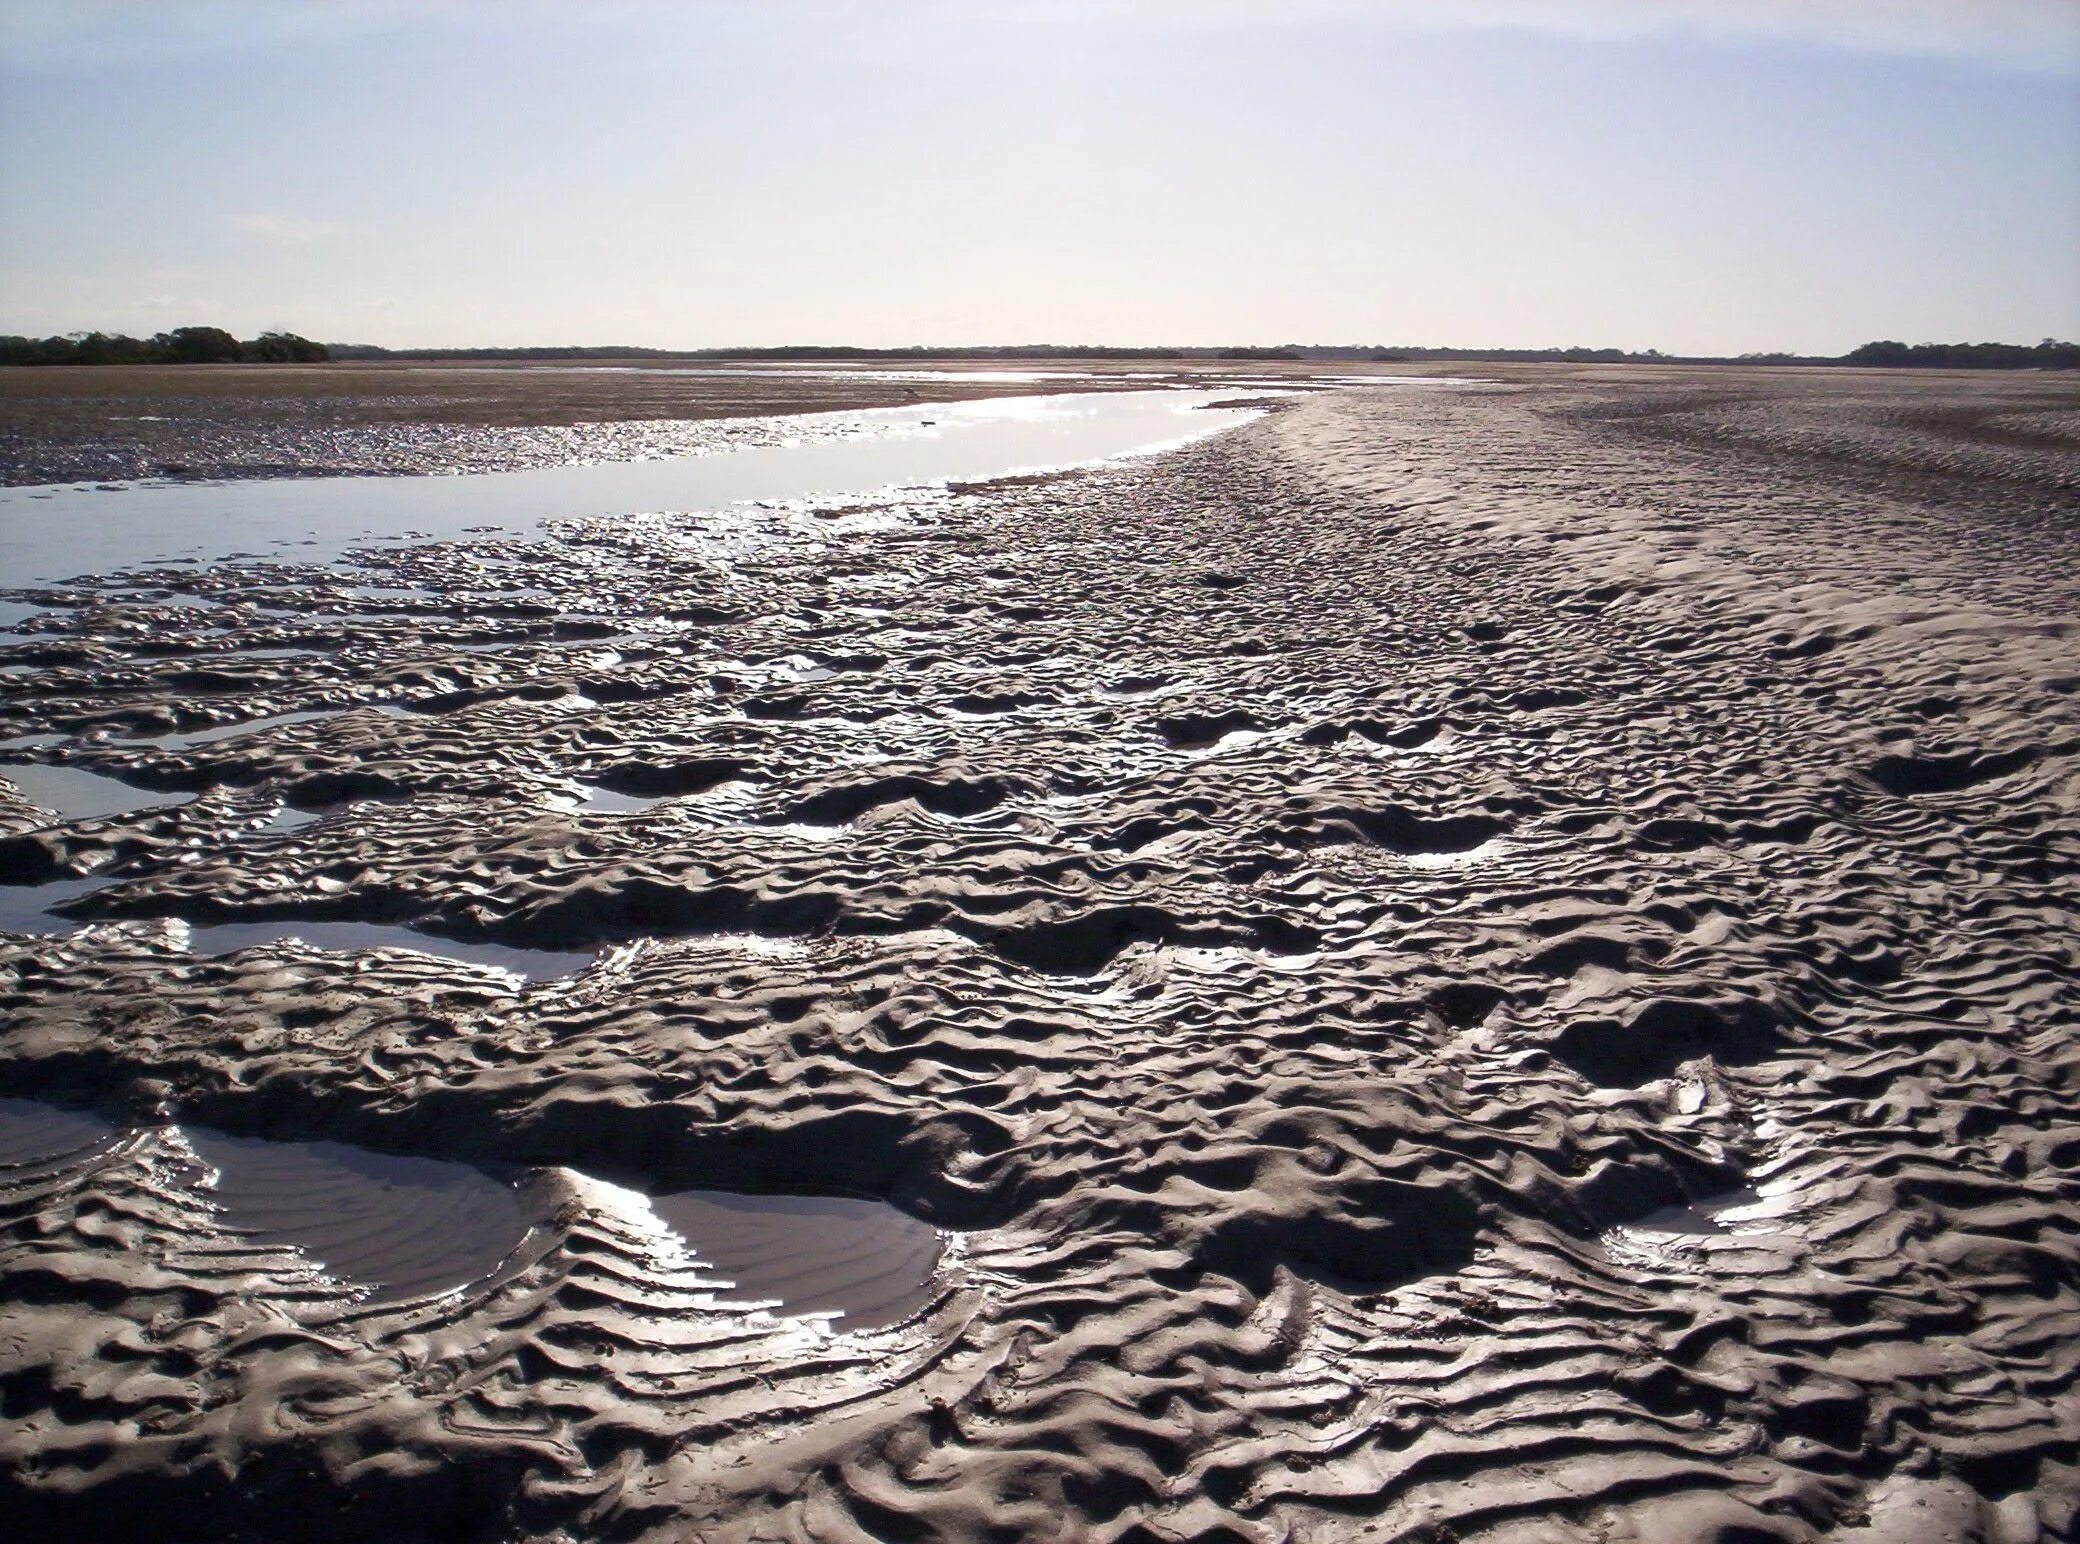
<point x="864" y="1260"/>
<point x="346" y="937"/>
<point x="34" y="1132"/>
<point x="77" y="794"/>
<point x="27" y="908"/>
<point x="396" y="1227"/>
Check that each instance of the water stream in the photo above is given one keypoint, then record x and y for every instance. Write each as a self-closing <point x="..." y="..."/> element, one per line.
<point x="52" y="533"/>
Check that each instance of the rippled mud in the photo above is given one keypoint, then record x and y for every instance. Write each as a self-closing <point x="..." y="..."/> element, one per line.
<point x="1478" y="963"/>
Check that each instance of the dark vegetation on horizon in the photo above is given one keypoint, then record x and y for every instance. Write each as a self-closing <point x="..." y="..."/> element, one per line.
<point x="213" y="345"/>
<point x="182" y="346"/>
<point x="2048" y="355"/>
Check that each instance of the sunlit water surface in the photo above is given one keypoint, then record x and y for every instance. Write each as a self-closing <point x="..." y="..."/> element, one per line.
<point x="53" y="533"/>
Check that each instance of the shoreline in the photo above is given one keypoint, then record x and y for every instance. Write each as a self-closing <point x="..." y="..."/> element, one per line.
<point x="94" y="424"/>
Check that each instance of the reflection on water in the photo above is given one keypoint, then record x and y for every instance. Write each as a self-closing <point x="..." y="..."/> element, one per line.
<point x="588" y="796"/>
<point x="31" y="909"/>
<point x="194" y="737"/>
<point x="396" y="1227"/>
<point x="58" y="532"/>
<point x="533" y="964"/>
<point x="27" y="908"/>
<point x="76" y="794"/>
<point x="863" y="1260"/>
<point x="34" y="1132"/>
<point x="287" y="818"/>
<point x="392" y="1228"/>
<point x="863" y="373"/>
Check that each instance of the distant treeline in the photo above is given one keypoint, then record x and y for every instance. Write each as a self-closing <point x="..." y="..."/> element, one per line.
<point x="182" y="346"/>
<point x="823" y="353"/>
<point x="2048" y="355"/>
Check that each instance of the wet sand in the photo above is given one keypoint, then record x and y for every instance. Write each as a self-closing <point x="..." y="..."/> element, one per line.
<point x="1467" y="963"/>
<point x="63" y="424"/>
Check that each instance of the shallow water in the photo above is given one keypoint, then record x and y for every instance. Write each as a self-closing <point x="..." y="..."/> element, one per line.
<point x="862" y="373"/>
<point x="1707" y="1218"/>
<point x="186" y="739"/>
<point x="34" y="1132"/>
<point x="77" y="794"/>
<point x="51" y="533"/>
<point x="27" y="908"/>
<point x="399" y="1227"/>
<point x="534" y="964"/>
<point x="864" y="1260"/>
<point x="287" y="818"/>
<point x="404" y="1227"/>
<point x="588" y="796"/>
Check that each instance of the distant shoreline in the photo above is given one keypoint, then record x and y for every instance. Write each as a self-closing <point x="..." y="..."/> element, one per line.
<point x="2050" y="354"/>
<point x="404" y="415"/>
<point x="197" y="345"/>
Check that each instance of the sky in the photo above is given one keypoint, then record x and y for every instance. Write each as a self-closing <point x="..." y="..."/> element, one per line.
<point x="1698" y="176"/>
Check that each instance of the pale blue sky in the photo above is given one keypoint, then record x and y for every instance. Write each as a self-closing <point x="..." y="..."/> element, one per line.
<point x="1693" y="175"/>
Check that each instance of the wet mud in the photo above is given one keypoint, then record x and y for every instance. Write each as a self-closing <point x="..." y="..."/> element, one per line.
<point x="1487" y="962"/>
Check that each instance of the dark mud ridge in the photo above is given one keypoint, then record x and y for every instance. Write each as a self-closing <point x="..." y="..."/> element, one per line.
<point x="1475" y="964"/>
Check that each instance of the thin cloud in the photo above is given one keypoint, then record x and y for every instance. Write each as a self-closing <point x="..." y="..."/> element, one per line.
<point x="74" y="34"/>
<point x="284" y="230"/>
<point x="192" y="304"/>
<point x="2030" y="33"/>
<point x="2033" y="35"/>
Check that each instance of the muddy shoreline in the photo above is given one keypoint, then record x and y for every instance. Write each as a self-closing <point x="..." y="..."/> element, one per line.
<point x="1488" y="963"/>
<point x="121" y="423"/>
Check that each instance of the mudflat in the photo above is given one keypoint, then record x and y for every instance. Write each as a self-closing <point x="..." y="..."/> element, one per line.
<point x="62" y="424"/>
<point x="1456" y="962"/>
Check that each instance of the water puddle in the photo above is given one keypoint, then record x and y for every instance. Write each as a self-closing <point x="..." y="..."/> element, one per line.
<point x="863" y="1260"/>
<point x="285" y="651"/>
<point x="392" y="1227"/>
<point x="587" y="796"/>
<point x="1494" y="847"/>
<point x="1701" y="1219"/>
<point x="350" y="937"/>
<point x="27" y="908"/>
<point x="1234" y="740"/>
<point x="76" y="794"/>
<point x="34" y="1132"/>
<point x="1736" y="1221"/>
<point x="287" y="818"/>
<point x="79" y="530"/>
<point x="863" y="373"/>
<point x="31" y="909"/>
<point x="186" y="740"/>
<point x="396" y="1228"/>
